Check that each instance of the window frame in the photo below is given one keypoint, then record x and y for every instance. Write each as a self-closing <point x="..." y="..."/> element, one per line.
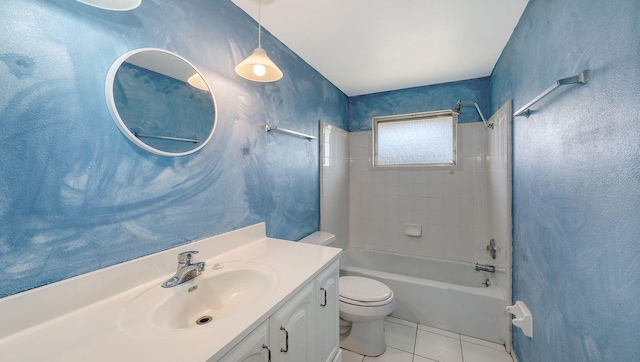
<point x="409" y="117"/>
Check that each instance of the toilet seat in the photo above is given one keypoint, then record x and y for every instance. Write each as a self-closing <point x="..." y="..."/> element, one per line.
<point x="365" y="304"/>
<point x="364" y="292"/>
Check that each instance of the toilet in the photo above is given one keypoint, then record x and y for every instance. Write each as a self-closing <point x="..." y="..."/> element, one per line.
<point x="363" y="304"/>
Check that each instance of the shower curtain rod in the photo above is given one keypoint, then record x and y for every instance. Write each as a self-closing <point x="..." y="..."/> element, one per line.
<point x="580" y="78"/>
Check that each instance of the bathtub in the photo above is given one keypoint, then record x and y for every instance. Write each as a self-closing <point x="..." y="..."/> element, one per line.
<point x="439" y="293"/>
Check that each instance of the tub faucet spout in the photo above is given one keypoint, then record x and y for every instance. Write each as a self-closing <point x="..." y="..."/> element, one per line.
<point x="186" y="270"/>
<point x="487" y="268"/>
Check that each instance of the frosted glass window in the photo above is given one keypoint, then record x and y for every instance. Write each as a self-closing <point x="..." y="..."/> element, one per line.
<point x="415" y="140"/>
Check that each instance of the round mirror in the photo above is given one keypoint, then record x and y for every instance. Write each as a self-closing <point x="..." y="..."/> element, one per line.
<point x="161" y="102"/>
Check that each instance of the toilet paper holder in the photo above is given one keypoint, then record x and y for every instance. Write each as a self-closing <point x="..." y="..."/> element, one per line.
<point x="523" y="318"/>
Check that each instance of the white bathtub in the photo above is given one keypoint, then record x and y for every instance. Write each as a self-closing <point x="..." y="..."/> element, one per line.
<point x="439" y="293"/>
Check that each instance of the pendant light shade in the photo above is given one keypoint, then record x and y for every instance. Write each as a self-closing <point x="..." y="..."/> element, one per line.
<point x="258" y="67"/>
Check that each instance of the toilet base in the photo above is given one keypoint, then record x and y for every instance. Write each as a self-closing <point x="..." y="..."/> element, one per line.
<point x="365" y="338"/>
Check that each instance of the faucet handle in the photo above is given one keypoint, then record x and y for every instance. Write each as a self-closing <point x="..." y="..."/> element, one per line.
<point x="186" y="257"/>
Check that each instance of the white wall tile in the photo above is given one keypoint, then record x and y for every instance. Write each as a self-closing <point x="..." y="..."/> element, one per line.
<point x="449" y="205"/>
<point x="436" y="204"/>
<point x="435" y="190"/>
<point x="435" y="177"/>
<point x="393" y="189"/>
<point x="452" y="207"/>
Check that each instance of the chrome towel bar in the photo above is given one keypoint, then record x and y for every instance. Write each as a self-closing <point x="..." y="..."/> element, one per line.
<point x="580" y="78"/>
<point x="271" y="127"/>
<point x="138" y="135"/>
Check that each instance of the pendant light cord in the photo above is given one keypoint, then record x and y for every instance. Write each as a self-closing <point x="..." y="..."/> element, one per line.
<point x="259" y="26"/>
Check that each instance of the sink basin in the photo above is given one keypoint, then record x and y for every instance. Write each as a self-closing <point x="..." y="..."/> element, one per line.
<point x="215" y="294"/>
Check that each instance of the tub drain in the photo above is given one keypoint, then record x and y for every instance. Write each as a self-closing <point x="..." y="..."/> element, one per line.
<point x="204" y="320"/>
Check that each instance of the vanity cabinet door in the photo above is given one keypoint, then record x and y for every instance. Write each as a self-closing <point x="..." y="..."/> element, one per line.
<point x="291" y="328"/>
<point x="252" y="348"/>
<point x="327" y="316"/>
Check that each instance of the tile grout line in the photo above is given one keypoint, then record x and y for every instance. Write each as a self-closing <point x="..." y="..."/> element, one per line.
<point x="504" y="349"/>
<point x="401" y="324"/>
<point x="415" y="343"/>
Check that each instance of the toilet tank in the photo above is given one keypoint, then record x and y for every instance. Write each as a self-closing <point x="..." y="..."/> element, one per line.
<point x="319" y="238"/>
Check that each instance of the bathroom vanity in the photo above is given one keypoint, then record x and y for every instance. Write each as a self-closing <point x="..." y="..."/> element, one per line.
<point x="258" y="299"/>
<point x="304" y="329"/>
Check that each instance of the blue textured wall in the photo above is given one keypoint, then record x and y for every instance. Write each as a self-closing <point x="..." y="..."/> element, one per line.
<point x="420" y="99"/>
<point x="576" y="179"/>
<point x="77" y="196"/>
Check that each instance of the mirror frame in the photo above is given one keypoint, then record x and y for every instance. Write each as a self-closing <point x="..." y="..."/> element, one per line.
<point x="126" y="6"/>
<point x="113" y="110"/>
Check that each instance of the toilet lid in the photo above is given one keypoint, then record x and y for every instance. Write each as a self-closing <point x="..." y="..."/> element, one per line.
<point x="363" y="289"/>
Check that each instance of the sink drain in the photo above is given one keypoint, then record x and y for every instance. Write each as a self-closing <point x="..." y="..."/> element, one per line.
<point x="204" y="320"/>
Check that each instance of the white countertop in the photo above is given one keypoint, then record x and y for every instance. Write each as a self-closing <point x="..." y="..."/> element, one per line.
<point x="92" y="332"/>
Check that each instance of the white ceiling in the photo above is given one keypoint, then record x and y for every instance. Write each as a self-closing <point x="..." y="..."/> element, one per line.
<point x="368" y="46"/>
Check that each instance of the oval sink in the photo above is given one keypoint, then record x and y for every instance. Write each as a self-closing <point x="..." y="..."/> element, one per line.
<point x="215" y="294"/>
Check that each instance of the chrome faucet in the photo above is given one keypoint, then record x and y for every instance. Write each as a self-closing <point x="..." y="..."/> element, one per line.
<point x="186" y="269"/>
<point x="487" y="268"/>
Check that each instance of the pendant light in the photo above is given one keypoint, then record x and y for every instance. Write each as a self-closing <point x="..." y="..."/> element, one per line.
<point x="258" y="67"/>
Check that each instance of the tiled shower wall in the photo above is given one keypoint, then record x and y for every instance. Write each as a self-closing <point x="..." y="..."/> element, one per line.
<point x="450" y="204"/>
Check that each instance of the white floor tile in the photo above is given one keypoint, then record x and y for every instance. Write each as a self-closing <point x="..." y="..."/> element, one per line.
<point x="391" y="355"/>
<point x="417" y="358"/>
<point x="476" y="353"/>
<point x="348" y="356"/>
<point x="401" y="321"/>
<point x="438" y="331"/>
<point x="438" y="347"/>
<point x="399" y="336"/>
<point x="482" y="342"/>
<point x="411" y="342"/>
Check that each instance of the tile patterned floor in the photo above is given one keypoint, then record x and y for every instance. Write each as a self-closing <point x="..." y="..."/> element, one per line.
<point x="411" y="342"/>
